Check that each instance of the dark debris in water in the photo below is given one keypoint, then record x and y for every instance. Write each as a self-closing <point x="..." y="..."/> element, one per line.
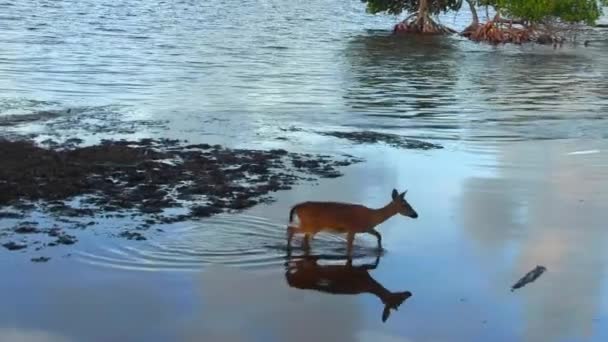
<point x="12" y="120"/>
<point x="204" y="210"/>
<point x="529" y="277"/>
<point x="371" y="137"/>
<point x="26" y="230"/>
<point x="59" y="237"/>
<point x="10" y="215"/>
<point x="130" y="235"/>
<point x="14" y="246"/>
<point x="63" y="239"/>
<point x="90" y="119"/>
<point x="145" y="178"/>
<point x="291" y="129"/>
<point x="40" y="259"/>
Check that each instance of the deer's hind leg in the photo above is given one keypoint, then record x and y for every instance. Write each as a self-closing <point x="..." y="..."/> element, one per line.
<point x="298" y="230"/>
<point x="306" y="242"/>
<point x="290" y="231"/>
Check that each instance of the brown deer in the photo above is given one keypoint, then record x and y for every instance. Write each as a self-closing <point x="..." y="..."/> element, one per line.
<point x="306" y="274"/>
<point x="344" y="218"/>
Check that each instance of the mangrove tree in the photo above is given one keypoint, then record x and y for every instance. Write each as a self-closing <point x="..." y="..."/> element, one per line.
<point x="420" y="13"/>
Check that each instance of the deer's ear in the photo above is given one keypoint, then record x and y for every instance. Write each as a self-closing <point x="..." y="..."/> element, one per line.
<point x="394" y="194"/>
<point x="385" y="313"/>
<point x="403" y="194"/>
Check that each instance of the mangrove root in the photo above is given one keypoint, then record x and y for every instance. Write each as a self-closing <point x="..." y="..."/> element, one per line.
<point x="497" y="33"/>
<point x="501" y="31"/>
<point x="421" y="24"/>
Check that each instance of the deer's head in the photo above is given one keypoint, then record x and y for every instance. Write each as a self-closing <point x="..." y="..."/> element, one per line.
<point x="403" y="207"/>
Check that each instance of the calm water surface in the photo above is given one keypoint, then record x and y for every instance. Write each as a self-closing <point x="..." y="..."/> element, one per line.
<point x="522" y="180"/>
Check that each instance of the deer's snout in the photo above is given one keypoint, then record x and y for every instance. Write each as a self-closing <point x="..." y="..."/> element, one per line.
<point x="414" y="215"/>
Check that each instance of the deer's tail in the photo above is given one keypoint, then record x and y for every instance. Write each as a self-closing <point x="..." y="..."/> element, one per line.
<point x="291" y="212"/>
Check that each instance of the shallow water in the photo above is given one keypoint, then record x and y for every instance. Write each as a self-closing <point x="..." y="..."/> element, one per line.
<point x="522" y="179"/>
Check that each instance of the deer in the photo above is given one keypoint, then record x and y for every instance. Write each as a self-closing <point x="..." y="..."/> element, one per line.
<point x="348" y="218"/>
<point x="305" y="273"/>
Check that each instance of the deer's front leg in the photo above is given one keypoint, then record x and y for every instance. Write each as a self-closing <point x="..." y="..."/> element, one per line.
<point x="378" y="236"/>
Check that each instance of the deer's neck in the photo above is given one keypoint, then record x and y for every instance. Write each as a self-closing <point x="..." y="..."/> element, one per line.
<point x="382" y="214"/>
<point x="378" y="290"/>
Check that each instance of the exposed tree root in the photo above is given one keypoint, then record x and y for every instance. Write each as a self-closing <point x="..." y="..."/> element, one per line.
<point x="421" y="24"/>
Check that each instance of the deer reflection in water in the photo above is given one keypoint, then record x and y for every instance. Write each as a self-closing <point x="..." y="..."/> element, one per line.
<point x="304" y="272"/>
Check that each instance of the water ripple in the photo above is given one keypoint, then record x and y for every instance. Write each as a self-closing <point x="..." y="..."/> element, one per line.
<point x="238" y="240"/>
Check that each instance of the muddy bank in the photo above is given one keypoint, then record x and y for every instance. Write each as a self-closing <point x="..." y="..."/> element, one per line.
<point x="162" y="180"/>
<point x="371" y="137"/>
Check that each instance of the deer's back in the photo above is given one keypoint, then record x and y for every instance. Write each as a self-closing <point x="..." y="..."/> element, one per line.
<point x="333" y="216"/>
<point x="332" y="279"/>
